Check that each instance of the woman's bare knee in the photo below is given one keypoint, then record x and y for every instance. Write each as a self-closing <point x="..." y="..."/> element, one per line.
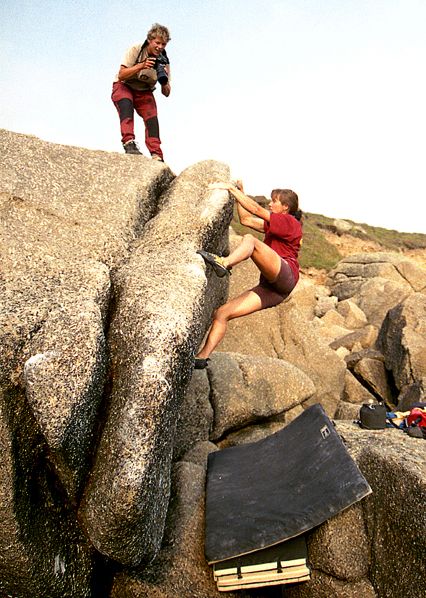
<point x="249" y="238"/>
<point x="221" y="313"/>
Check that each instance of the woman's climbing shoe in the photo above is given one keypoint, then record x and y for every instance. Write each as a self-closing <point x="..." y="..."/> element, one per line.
<point x="216" y="262"/>
<point x="200" y="364"/>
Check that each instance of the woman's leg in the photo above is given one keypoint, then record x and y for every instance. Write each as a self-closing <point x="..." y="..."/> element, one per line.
<point x="246" y="303"/>
<point x="269" y="264"/>
<point x="265" y="258"/>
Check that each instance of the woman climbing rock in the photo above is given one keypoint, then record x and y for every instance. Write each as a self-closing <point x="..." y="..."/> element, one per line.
<point x="275" y="257"/>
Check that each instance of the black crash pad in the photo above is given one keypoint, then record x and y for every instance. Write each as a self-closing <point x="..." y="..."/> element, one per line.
<point x="269" y="491"/>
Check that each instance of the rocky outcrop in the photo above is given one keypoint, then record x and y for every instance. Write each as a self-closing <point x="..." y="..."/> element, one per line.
<point x="88" y="272"/>
<point x="376" y="282"/>
<point x="104" y="427"/>
<point x="394" y="466"/>
<point x="245" y="389"/>
<point x="343" y="551"/>
<point x="326" y="336"/>
<point x="402" y="341"/>
<point x="160" y="318"/>
<point x="69" y="218"/>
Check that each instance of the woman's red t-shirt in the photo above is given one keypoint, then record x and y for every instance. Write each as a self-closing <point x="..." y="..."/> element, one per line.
<point x="283" y="234"/>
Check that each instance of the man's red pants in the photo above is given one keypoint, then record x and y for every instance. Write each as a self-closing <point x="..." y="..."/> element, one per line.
<point x="127" y="100"/>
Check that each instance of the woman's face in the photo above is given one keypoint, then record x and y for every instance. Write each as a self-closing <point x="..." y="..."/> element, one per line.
<point x="276" y="207"/>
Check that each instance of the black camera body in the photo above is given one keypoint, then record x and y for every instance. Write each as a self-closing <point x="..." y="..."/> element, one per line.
<point x="159" y="65"/>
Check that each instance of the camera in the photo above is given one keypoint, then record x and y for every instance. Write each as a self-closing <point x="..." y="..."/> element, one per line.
<point x="159" y="65"/>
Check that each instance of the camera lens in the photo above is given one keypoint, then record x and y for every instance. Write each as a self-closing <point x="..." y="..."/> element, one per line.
<point x="161" y="72"/>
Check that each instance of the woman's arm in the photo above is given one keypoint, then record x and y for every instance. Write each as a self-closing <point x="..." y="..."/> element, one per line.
<point x="243" y="214"/>
<point x="247" y="219"/>
<point x="250" y="213"/>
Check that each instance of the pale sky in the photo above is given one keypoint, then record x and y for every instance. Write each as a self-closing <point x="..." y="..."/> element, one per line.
<point x="326" y="97"/>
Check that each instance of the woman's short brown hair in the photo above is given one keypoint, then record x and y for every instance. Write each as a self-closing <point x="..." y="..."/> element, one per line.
<point x="288" y="198"/>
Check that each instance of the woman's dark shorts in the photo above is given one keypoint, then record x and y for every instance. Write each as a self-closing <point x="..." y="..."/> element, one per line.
<point x="273" y="293"/>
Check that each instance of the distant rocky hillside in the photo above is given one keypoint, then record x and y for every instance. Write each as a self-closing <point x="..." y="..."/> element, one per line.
<point x="105" y="428"/>
<point x="327" y="240"/>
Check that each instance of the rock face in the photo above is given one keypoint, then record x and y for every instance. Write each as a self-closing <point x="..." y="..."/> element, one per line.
<point x="104" y="427"/>
<point x="402" y="340"/>
<point x="66" y="225"/>
<point x="246" y="389"/>
<point x="395" y="467"/>
<point x="68" y="219"/>
<point x="159" y="321"/>
<point x="253" y="395"/>
<point x="353" y="271"/>
<point x="88" y="275"/>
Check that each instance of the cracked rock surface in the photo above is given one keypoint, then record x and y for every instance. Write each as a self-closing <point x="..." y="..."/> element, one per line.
<point x="78" y="283"/>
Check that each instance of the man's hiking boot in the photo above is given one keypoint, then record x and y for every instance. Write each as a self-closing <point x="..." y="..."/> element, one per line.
<point x="157" y="158"/>
<point x="215" y="262"/>
<point x="130" y="147"/>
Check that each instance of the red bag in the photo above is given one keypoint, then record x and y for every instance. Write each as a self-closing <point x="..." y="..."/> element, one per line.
<point x="417" y="417"/>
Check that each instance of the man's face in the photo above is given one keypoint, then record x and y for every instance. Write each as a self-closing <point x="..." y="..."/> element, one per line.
<point x="155" y="46"/>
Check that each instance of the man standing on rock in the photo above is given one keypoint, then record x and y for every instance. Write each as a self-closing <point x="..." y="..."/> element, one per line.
<point x="141" y="68"/>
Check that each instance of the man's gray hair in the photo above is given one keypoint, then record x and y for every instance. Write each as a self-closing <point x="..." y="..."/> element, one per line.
<point x="158" y="30"/>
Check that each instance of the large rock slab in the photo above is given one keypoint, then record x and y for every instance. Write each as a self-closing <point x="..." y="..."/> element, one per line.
<point x="64" y="372"/>
<point x="69" y="218"/>
<point x="347" y="278"/>
<point x="163" y="310"/>
<point x="310" y="353"/>
<point x="395" y="467"/>
<point x="195" y="416"/>
<point x="246" y="389"/>
<point x="378" y="295"/>
<point x="42" y="550"/>
<point x="181" y="569"/>
<point x="402" y="340"/>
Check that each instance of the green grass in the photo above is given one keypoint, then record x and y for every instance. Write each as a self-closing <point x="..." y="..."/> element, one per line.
<point x="317" y="252"/>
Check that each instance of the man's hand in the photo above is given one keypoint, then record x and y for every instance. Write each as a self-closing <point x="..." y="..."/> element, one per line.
<point x="148" y="63"/>
<point x="128" y="72"/>
<point x="165" y="90"/>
